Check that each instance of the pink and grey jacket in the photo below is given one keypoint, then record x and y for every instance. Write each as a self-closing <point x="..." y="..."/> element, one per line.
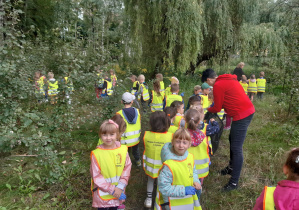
<point x="286" y="196"/>
<point x="99" y="181"/>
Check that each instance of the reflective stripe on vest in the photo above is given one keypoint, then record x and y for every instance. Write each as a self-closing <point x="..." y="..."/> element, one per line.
<point x="53" y="88"/>
<point x="261" y="85"/>
<point x="145" y="94"/>
<point x="153" y="143"/>
<point x="245" y="86"/>
<point x="131" y="136"/>
<point x="201" y="156"/>
<point x="177" y="121"/>
<point x="220" y="114"/>
<point x="182" y="174"/>
<point x="252" y="87"/>
<point x="157" y="102"/>
<point x="171" y="98"/>
<point x="109" y="88"/>
<point x="268" y="202"/>
<point x="112" y="163"/>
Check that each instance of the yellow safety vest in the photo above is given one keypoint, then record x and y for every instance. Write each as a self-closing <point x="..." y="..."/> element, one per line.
<point x="201" y="156"/>
<point x="109" y="88"/>
<point x="182" y="174"/>
<point x="162" y="88"/>
<point x="112" y="163"/>
<point x="131" y="136"/>
<point x="205" y="102"/>
<point x="53" y="88"/>
<point x="134" y="86"/>
<point x="245" y="86"/>
<point x="112" y="77"/>
<point x="100" y="80"/>
<point x="177" y="120"/>
<point x="220" y="114"/>
<point x="40" y="84"/>
<point x="168" y="91"/>
<point x="252" y="87"/>
<point x="172" y="129"/>
<point x="69" y="84"/>
<point x="268" y="203"/>
<point x="261" y="85"/>
<point x="153" y="143"/>
<point x="171" y="98"/>
<point x="157" y="102"/>
<point x="145" y="94"/>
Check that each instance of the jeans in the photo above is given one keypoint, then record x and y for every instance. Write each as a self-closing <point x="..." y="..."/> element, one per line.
<point x="260" y="95"/>
<point x="135" y="152"/>
<point x="236" y="139"/>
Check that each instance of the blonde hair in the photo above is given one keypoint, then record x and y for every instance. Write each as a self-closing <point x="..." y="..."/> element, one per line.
<point x="240" y="64"/>
<point x="262" y="74"/>
<point x="107" y="128"/>
<point x="159" y="77"/>
<point x="181" y="134"/>
<point x="197" y="87"/>
<point x="133" y="77"/>
<point x="51" y="74"/>
<point x="252" y="76"/>
<point x="141" y="77"/>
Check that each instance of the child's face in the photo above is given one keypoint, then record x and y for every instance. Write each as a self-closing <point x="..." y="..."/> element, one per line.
<point x="196" y="105"/>
<point x="196" y="92"/>
<point x="180" y="146"/>
<point x="141" y="81"/>
<point x="109" y="139"/>
<point x="132" y="79"/>
<point x="180" y="110"/>
<point x="206" y="91"/>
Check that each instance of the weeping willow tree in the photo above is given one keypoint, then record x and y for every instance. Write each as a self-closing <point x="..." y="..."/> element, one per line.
<point x="179" y="35"/>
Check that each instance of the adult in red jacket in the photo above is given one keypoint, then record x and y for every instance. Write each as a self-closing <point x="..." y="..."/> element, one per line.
<point x="229" y="94"/>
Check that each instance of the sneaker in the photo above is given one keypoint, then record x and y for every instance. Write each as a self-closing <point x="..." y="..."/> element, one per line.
<point x="121" y="207"/>
<point x="138" y="163"/>
<point x="229" y="187"/>
<point x="148" y="203"/>
<point x="226" y="128"/>
<point x="226" y="171"/>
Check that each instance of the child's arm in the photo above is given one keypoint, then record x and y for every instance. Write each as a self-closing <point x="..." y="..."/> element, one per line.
<point x="196" y="182"/>
<point x="98" y="178"/>
<point x="124" y="178"/>
<point x="212" y="128"/>
<point x="259" y="202"/>
<point x="165" y="184"/>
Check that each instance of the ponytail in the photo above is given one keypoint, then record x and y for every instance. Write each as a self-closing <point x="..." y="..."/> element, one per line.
<point x="192" y="119"/>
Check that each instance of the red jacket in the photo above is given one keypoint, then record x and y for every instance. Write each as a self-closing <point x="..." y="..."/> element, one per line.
<point x="286" y="196"/>
<point x="230" y="95"/>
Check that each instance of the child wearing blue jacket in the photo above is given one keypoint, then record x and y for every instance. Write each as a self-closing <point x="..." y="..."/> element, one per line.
<point x="177" y="180"/>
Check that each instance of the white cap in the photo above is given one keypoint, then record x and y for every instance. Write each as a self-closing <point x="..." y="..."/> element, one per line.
<point x="128" y="97"/>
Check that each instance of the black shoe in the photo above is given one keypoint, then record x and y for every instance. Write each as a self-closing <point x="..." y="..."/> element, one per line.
<point x="226" y="171"/>
<point x="229" y="187"/>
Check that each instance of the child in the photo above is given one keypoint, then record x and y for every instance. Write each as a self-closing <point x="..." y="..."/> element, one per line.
<point x="252" y="88"/>
<point x="175" y="88"/>
<point x="199" y="145"/>
<point x="153" y="143"/>
<point x="107" y="87"/>
<point x="113" y="77"/>
<point x="159" y="77"/>
<point x="131" y="116"/>
<point x="173" y="80"/>
<point x="157" y="97"/>
<point x="177" y="181"/>
<point x="52" y="88"/>
<point x="195" y="103"/>
<point x="122" y="126"/>
<point x="285" y="194"/>
<point x="261" y="85"/>
<point x="69" y="88"/>
<point x="197" y="91"/>
<point x="99" y="83"/>
<point x="135" y="87"/>
<point x="110" y="169"/>
<point x="171" y="113"/>
<point x="39" y="86"/>
<point x="179" y="117"/>
<point x="244" y="83"/>
<point x="143" y="94"/>
<point x="204" y="97"/>
<point x="211" y="101"/>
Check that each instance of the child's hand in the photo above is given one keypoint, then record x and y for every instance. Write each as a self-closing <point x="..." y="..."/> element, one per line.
<point x="117" y="192"/>
<point x="212" y="120"/>
<point x="197" y="185"/>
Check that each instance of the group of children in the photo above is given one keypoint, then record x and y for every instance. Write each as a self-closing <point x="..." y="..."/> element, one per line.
<point x="254" y="86"/>
<point x="49" y="87"/>
<point x="104" y="83"/>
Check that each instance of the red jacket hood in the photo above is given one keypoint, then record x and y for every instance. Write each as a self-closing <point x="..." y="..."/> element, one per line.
<point x="227" y="77"/>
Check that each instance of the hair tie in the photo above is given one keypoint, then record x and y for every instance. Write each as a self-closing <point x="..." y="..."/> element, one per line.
<point x="112" y="122"/>
<point x="192" y="118"/>
<point x="297" y="159"/>
<point x="168" y="115"/>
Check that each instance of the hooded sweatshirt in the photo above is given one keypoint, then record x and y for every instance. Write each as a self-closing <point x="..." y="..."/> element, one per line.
<point x="165" y="176"/>
<point x="286" y="196"/>
<point x="230" y="95"/>
<point x="130" y="114"/>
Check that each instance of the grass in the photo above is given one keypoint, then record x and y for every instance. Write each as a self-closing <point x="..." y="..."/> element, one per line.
<point x="264" y="152"/>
